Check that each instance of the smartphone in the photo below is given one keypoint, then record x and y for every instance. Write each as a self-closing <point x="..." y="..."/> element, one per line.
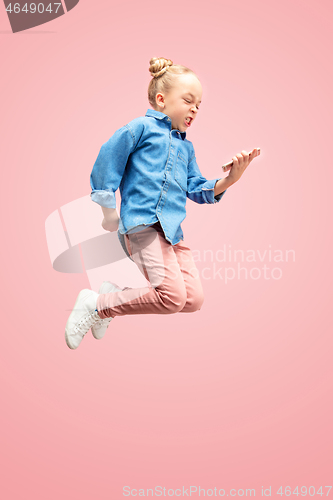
<point x="226" y="165"/>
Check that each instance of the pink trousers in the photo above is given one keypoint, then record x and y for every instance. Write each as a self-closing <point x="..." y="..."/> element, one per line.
<point x="173" y="282"/>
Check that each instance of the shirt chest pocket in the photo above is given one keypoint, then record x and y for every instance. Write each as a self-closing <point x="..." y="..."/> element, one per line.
<point x="181" y="171"/>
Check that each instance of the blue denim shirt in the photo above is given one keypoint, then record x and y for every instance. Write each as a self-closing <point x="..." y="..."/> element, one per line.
<point x="155" y="169"/>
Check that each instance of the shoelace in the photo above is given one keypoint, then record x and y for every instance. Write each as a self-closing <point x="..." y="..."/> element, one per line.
<point x="105" y="320"/>
<point x="86" y="323"/>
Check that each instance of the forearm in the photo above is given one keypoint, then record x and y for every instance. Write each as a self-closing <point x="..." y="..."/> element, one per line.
<point x="222" y="185"/>
<point x="111" y="219"/>
<point x="109" y="213"/>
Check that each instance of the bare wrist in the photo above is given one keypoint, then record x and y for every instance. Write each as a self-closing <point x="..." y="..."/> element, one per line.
<point x="221" y="185"/>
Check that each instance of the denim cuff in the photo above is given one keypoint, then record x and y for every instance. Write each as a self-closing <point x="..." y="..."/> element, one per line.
<point x="219" y="196"/>
<point x="208" y="192"/>
<point x="106" y="197"/>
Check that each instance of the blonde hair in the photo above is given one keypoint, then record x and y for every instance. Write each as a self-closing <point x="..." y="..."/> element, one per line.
<point x="164" y="73"/>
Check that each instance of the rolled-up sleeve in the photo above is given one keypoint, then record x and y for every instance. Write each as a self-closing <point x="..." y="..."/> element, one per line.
<point x="199" y="189"/>
<point x="110" y="165"/>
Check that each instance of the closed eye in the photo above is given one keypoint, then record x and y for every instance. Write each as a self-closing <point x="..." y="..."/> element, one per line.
<point x="189" y="102"/>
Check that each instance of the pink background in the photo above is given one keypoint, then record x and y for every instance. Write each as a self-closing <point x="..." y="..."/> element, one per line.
<point x="238" y="395"/>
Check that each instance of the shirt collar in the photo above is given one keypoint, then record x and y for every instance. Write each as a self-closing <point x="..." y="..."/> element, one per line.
<point x="162" y="116"/>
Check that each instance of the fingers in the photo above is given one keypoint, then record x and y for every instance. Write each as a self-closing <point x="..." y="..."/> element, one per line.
<point x="241" y="159"/>
<point x="255" y="152"/>
<point x="244" y="158"/>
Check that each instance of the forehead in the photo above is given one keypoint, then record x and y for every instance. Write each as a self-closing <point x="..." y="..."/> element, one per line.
<point x="189" y="84"/>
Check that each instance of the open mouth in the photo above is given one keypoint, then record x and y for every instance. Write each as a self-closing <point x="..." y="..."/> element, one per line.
<point x="188" y="121"/>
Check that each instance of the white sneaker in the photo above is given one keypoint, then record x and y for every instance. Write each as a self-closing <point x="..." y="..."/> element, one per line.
<point x="98" y="329"/>
<point x="82" y="318"/>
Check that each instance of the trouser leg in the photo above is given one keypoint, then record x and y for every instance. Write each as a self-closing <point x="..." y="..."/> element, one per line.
<point x="166" y="290"/>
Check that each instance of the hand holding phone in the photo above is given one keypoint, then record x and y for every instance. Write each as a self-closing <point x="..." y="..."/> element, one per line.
<point x="227" y="166"/>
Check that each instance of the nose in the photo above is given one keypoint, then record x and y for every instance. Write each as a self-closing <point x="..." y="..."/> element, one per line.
<point x="194" y="109"/>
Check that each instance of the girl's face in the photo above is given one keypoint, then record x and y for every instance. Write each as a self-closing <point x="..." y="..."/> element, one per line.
<point x="181" y="104"/>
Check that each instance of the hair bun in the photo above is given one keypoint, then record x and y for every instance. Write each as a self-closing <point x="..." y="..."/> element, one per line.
<point x="158" y="66"/>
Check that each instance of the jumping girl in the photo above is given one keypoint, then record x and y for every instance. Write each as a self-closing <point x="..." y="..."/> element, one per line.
<point x="154" y="165"/>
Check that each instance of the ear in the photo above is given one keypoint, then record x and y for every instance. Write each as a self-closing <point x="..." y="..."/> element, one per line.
<point x="160" y="100"/>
